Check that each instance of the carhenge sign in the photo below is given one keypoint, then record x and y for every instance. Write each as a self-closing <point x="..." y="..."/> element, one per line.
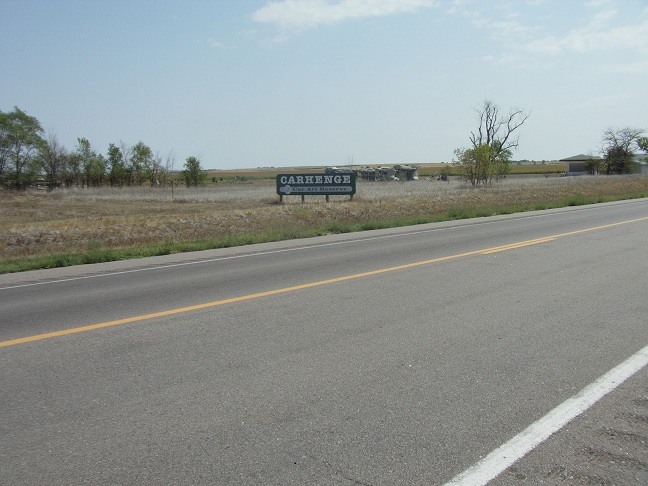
<point x="316" y="184"/>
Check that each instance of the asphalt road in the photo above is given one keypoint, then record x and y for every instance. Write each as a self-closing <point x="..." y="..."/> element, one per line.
<point x="396" y="357"/>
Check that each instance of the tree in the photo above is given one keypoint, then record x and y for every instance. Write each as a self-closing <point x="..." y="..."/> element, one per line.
<point x="617" y="149"/>
<point x="92" y="165"/>
<point x="193" y="173"/>
<point x="142" y="163"/>
<point x="117" y="172"/>
<point x="20" y="142"/>
<point x="126" y="152"/>
<point x="492" y="144"/>
<point x="593" y="165"/>
<point x="53" y="161"/>
<point x="4" y="143"/>
<point x="165" y="174"/>
<point x="481" y="166"/>
<point x="72" y="173"/>
<point x="155" y="170"/>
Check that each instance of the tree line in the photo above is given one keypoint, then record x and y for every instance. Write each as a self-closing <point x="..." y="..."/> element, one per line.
<point x="489" y="157"/>
<point x="27" y="158"/>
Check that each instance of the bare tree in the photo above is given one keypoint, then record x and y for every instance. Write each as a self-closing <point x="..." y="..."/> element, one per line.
<point x="617" y="149"/>
<point x="497" y="130"/>
<point x="126" y="153"/>
<point x="492" y="143"/>
<point x="169" y="163"/>
<point x="169" y="171"/>
<point x="625" y="138"/>
<point x="53" y="160"/>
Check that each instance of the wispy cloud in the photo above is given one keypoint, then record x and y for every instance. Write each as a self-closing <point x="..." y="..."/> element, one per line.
<point x="531" y="41"/>
<point x="640" y="67"/>
<point x="593" y="37"/>
<point x="496" y="19"/>
<point x="292" y="16"/>
<point x="220" y="45"/>
<point x="506" y="28"/>
<point x="216" y="43"/>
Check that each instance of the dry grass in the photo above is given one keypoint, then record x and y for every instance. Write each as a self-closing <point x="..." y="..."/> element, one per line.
<point x="423" y="169"/>
<point x="42" y="224"/>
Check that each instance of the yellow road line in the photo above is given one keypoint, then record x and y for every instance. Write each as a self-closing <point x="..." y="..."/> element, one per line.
<point x="518" y="245"/>
<point x="486" y="251"/>
<point x="605" y="226"/>
<point x="64" y="332"/>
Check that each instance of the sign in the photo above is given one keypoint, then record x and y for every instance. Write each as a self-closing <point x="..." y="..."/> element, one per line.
<point x="343" y="183"/>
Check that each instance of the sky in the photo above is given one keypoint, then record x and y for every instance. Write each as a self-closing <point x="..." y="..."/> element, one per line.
<point x="287" y="83"/>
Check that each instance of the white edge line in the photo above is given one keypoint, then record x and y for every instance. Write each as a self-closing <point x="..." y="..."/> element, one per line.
<point x="244" y="255"/>
<point x="518" y="216"/>
<point x="504" y="456"/>
<point x="217" y="259"/>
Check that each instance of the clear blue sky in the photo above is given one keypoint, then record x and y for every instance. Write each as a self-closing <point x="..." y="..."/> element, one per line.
<point x="253" y="83"/>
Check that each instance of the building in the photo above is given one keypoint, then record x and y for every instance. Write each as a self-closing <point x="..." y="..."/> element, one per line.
<point x="640" y="164"/>
<point x="577" y="165"/>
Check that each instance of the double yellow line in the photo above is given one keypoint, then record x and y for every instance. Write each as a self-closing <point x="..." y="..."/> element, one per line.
<point x="206" y="305"/>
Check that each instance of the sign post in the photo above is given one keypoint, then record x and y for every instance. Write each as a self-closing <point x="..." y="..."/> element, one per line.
<point x="343" y="183"/>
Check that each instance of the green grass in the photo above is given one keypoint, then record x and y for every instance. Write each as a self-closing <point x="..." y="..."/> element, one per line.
<point x="294" y="231"/>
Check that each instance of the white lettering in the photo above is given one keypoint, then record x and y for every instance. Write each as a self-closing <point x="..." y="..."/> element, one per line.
<point x="306" y="183"/>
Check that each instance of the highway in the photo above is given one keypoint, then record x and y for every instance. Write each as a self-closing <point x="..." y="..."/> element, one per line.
<point x="394" y="357"/>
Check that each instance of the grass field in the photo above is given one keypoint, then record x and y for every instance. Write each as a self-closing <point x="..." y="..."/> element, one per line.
<point x="40" y="229"/>
<point x="425" y="170"/>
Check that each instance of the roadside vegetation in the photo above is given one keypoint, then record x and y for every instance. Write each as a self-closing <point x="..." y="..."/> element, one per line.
<point x="65" y="207"/>
<point x="41" y="229"/>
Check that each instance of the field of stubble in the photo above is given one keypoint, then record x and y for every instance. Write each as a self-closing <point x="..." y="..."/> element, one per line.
<point x="38" y="223"/>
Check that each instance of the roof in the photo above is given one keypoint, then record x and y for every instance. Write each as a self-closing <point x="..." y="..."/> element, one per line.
<point x="580" y="158"/>
<point x="637" y="158"/>
<point x="640" y="158"/>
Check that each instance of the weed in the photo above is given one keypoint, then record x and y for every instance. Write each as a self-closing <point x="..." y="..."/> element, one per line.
<point x="71" y="227"/>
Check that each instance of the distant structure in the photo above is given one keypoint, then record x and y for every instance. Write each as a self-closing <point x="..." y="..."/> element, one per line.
<point x="377" y="173"/>
<point x="407" y="172"/>
<point x="640" y="164"/>
<point x="577" y="164"/>
<point x="368" y="173"/>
